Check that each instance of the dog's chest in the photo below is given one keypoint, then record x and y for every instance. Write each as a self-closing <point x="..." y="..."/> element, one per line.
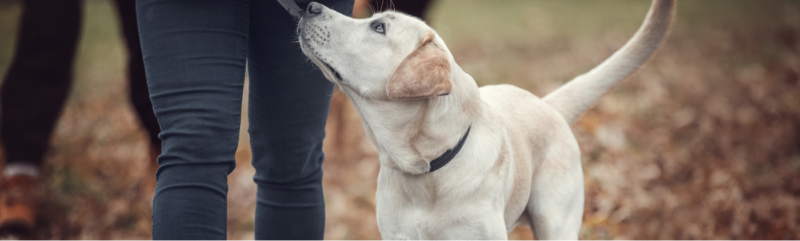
<point x="424" y="208"/>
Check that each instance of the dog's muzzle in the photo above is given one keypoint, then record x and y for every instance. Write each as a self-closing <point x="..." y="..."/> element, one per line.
<point x="316" y="37"/>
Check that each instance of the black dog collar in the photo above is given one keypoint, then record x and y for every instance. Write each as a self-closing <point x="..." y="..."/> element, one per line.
<point x="449" y="154"/>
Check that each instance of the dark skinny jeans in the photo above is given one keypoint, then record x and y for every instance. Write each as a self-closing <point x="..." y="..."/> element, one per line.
<point x="195" y="53"/>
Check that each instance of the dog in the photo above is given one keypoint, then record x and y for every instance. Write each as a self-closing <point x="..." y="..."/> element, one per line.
<point x="458" y="161"/>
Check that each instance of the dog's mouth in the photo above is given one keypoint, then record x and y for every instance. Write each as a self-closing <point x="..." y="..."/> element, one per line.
<point x="328" y="68"/>
<point x="310" y="51"/>
<point x="335" y="73"/>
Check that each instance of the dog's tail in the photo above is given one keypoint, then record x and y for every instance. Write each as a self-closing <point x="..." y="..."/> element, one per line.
<point x="573" y="98"/>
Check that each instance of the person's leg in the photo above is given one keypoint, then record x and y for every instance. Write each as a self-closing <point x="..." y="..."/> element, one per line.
<point x="194" y="54"/>
<point x="289" y="101"/>
<point x="140" y="97"/>
<point x="33" y="95"/>
<point x="38" y="81"/>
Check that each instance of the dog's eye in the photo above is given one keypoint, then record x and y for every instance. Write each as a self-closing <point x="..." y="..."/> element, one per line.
<point x="379" y="27"/>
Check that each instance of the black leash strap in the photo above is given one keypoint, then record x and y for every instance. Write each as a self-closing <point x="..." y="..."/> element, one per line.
<point x="292" y="8"/>
<point x="449" y="154"/>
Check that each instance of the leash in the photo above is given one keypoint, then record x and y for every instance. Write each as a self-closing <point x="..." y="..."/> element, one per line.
<point x="292" y="8"/>
<point x="449" y="154"/>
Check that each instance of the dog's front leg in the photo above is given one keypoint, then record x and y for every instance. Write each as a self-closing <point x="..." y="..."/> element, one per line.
<point x="391" y="215"/>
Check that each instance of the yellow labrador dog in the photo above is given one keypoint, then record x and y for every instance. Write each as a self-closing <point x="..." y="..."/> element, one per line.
<point x="458" y="161"/>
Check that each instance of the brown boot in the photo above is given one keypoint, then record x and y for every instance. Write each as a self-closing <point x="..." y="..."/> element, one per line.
<point x="18" y="203"/>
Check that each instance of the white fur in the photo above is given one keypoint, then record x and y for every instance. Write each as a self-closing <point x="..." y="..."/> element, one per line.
<point x="521" y="163"/>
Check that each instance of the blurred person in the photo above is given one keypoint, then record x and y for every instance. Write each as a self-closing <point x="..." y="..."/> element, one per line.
<point x="34" y="92"/>
<point x="196" y="54"/>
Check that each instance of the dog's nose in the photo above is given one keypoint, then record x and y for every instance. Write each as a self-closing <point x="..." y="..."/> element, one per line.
<point x="314" y="8"/>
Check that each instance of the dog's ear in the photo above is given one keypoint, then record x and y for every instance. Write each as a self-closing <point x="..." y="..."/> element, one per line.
<point x="424" y="73"/>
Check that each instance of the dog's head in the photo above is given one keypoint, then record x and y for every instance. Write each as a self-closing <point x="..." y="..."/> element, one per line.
<point x="391" y="56"/>
<point x="395" y="69"/>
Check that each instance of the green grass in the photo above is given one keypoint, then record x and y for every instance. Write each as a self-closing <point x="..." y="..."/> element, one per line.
<point x="100" y="57"/>
<point x="9" y="19"/>
<point x="100" y="63"/>
<point x="513" y="32"/>
<point x="529" y="22"/>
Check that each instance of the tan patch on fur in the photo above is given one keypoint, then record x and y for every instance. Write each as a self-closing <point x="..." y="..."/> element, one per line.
<point x="521" y="191"/>
<point x="423" y="73"/>
<point x="415" y="132"/>
<point x="501" y="159"/>
<point x="522" y="179"/>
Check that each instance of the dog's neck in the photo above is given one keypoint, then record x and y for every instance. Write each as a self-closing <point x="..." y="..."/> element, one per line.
<point x="411" y="133"/>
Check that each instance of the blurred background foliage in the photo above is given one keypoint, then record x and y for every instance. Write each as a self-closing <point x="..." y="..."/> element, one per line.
<point x="703" y="142"/>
